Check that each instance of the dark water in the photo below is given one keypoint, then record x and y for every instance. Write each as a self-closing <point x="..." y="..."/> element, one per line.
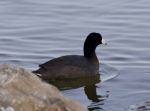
<point x="34" y="31"/>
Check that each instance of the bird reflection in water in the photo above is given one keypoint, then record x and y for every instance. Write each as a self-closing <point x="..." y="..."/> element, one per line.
<point x="90" y="87"/>
<point x="97" y="100"/>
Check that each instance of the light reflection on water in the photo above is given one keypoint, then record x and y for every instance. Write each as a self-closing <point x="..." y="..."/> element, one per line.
<point x="32" y="32"/>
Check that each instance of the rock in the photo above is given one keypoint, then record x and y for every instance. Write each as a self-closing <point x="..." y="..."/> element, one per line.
<point x="21" y="90"/>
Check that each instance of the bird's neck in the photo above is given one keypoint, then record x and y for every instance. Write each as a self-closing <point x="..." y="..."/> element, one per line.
<point x="89" y="52"/>
<point x="91" y="56"/>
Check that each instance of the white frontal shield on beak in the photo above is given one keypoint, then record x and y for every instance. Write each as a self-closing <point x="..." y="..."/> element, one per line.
<point x="104" y="42"/>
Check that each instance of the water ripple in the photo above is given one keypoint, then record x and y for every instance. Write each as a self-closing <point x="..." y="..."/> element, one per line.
<point x="32" y="32"/>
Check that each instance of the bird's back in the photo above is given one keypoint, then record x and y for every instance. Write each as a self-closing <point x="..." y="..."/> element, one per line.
<point x="71" y="66"/>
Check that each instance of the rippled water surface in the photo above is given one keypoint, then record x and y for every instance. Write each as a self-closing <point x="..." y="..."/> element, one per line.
<point x="34" y="31"/>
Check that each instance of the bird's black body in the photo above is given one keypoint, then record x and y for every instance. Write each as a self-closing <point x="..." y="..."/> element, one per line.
<point x="74" y="66"/>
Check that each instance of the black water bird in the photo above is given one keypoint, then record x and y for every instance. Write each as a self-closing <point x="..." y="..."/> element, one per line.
<point x="74" y="66"/>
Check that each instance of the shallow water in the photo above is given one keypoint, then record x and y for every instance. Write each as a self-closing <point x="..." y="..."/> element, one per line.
<point x="32" y="32"/>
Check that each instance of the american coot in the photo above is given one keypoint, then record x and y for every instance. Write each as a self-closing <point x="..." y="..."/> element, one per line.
<point x="74" y="66"/>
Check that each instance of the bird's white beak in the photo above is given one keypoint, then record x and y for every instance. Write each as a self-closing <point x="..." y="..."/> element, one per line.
<point x="104" y="42"/>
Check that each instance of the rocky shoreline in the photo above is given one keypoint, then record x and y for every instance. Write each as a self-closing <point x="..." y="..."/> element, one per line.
<point x="21" y="90"/>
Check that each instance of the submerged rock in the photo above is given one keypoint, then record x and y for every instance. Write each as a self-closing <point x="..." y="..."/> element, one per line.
<point x="21" y="90"/>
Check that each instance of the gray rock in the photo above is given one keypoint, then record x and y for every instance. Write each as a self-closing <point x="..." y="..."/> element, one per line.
<point x="21" y="90"/>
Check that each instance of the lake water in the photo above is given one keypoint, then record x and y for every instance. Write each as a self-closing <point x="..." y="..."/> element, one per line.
<point x="34" y="31"/>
